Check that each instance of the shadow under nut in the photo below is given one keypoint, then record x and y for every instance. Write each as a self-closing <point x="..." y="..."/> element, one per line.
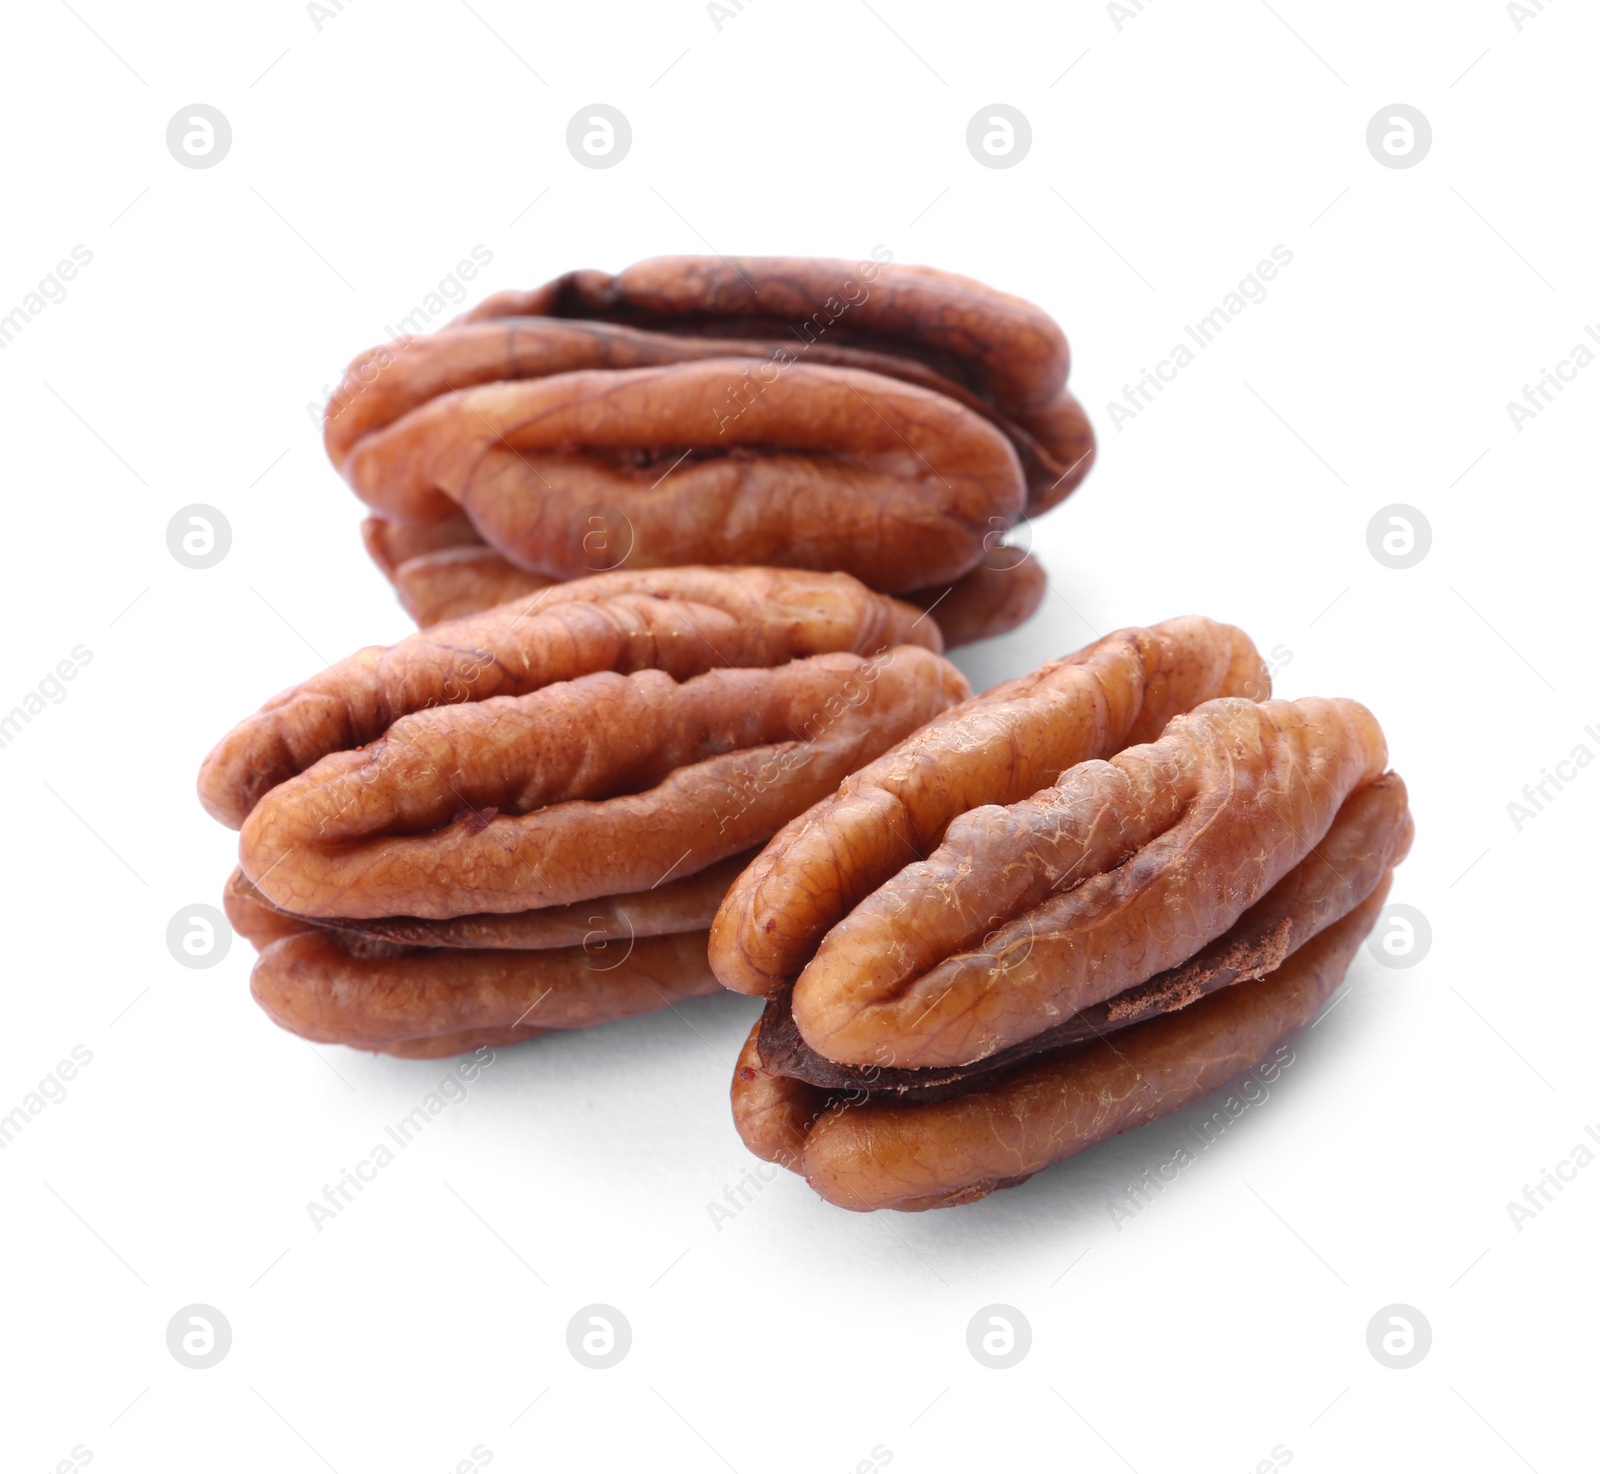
<point x="681" y="620"/>
<point x="826" y="468"/>
<point x="587" y="788"/>
<point x="313" y="985"/>
<point x="998" y="748"/>
<point x="469" y="1041"/>
<point x="909" y="1157"/>
<point x="1031" y="912"/>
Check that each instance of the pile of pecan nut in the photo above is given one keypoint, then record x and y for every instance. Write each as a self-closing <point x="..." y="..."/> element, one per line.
<point x="990" y="931"/>
<point x="886" y="421"/>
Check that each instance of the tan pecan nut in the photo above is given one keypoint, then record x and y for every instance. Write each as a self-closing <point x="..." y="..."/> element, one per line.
<point x="993" y="354"/>
<point x="979" y="931"/>
<point x="447" y="838"/>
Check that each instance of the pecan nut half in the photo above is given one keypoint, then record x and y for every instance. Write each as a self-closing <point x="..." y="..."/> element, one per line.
<point x="419" y="988"/>
<point x="585" y="788"/>
<point x="942" y="1015"/>
<point x="524" y="820"/>
<point x="828" y="468"/>
<point x="990" y="352"/>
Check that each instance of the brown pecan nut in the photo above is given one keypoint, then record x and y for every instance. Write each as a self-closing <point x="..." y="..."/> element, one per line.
<point x="409" y="986"/>
<point x="444" y="570"/>
<point x="992" y="353"/>
<point x="1037" y="925"/>
<point x="682" y="621"/>
<point x="585" y="788"/>
<point x="828" y="468"/>
<point x="526" y="819"/>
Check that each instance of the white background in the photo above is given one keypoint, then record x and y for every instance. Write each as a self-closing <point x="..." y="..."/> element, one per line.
<point x="1168" y="157"/>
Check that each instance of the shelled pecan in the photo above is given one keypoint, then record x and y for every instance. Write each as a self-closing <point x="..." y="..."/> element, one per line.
<point x="885" y="420"/>
<point x="994" y="353"/>
<point x="438" y="836"/>
<point x="828" y="468"/>
<point x="971" y="951"/>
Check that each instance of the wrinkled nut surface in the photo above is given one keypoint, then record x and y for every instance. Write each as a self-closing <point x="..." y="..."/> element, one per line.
<point x="585" y="788"/>
<point x="828" y="468"/>
<point x="949" y="1019"/>
<point x="1121" y="869"/>
<point x="439" y="578"/>
<point x="682" y="621"/>
<point x="525" y="819"/>
<point x="990" y="352"/>
<point x="998" y="748"/>
<point x="427" y="989"/>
